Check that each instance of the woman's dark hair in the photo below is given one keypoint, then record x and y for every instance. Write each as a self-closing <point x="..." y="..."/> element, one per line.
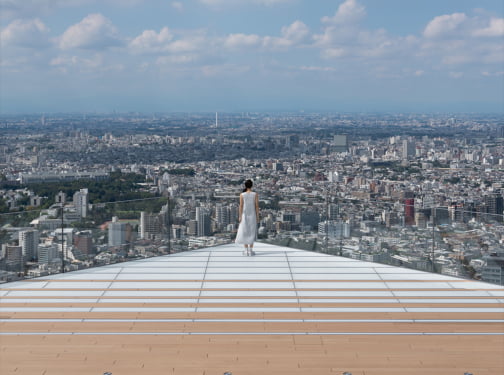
<point x="248" y="185"/>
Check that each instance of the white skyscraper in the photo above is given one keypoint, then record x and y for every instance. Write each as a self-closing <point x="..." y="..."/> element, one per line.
<point x="116" y="232"/>
<point x="48" y="254"/>
<point x="81" y="201"/>
<point x="28" y="240"/>
<point x="334" y="229"/>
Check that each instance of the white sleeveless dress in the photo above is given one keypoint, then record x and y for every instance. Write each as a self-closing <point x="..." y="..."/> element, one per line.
<point x="247" y="230"/>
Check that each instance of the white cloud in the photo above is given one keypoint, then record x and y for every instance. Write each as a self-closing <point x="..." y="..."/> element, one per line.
<point x="177" y="5"/>
<point x="343" y="29"/>
<point x="25" y="33"/>
<point x="176" y="59"/>
<point x="456" y="75"/>
<point x="150" y="41"/>
<point x="458" y="39"/>
<point x="294" y="34"/>
<point x="446" y="41"/>
<point x="94" y="32"/>
<point x="188" y="44"/>
<point x="495" y="28"/>
<point x="349" y="12"/>
<point x="350" y="40"/>
<point x="444" y="25"/>
<point x="452" y="43"/>
<point x="241" y="40"/>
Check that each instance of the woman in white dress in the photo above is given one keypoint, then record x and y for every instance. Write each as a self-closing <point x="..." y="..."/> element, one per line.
<point x="248" y="218"/>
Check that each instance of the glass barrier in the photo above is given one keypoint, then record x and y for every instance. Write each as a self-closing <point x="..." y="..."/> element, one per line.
<point x="460" y="240"/>
<point x="457" y="240"/>
<point x="67" y="237"/>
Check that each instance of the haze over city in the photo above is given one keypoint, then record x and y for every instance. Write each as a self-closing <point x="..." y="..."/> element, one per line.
<point x="223" y="55"/>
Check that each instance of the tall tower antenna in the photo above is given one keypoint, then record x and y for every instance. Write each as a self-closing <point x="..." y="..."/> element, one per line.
<point x="216" y="120"/>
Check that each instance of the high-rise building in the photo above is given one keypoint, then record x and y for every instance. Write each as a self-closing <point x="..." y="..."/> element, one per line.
<point x="390" y="218"/>
<point x="233" y="213"/>
<point x="203" y="219"/>
<point x="493" y="270"/>
<point x="291" y="217"/>
<point x="81" y="202"/>
<point x="164" y="183"/>
<point x="494" y="206"/>
<point x="456" y="212"/>
<point x="154" y="225"/>
<point x="48" y="254"/>
<point x="420" y="219"/>
<point x="116" y="232"/>
<point x="60" y="197"/>
<point x="83" y="241"/>
<point x="408" y="149"/>
<point x="340" y="143"/>
<point x="13" y="256"/>
<point x="332" y="211"/>
<point x="192" y="227"/>
<point x="409" y="211"/>
<point x="333" y="177"/>
<point x="149" y="225"/>
<point x="28" y="240"/>
<point x="334" y="229"/>
<point x="277" y="166"/>
<point x="222" y="215"/>
<point x="440" y="215"/>
<point x="310" y="218"/>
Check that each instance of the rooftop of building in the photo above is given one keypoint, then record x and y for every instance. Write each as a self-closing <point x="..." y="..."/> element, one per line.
<point x="283" y="311"/>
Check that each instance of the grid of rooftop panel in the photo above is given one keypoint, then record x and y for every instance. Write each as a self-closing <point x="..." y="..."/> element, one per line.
<point x="283" y="311"/>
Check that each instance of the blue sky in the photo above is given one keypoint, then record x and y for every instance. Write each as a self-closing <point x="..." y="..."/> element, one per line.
<point x="251" y="55"/>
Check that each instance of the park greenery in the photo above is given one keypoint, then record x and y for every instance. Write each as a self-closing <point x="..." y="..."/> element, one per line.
<point x="120" y="195"/>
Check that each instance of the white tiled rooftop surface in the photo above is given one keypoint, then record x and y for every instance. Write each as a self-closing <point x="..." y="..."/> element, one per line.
<point x="283" y="311"/>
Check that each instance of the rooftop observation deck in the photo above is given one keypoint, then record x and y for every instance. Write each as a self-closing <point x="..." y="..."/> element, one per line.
<point x="282" y="312"/>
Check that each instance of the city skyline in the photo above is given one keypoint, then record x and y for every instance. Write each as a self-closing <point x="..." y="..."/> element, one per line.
<point x="420" y="191"/>
<point x="251" y="55"/>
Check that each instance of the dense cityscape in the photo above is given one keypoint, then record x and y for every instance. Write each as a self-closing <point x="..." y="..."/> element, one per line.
<point x="423" y="191"/>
